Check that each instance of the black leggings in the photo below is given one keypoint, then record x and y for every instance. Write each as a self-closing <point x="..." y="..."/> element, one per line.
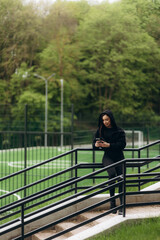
<point x="112" y="172"/>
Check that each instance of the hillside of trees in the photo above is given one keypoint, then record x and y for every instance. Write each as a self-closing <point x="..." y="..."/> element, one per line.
<point x="107" y="54"/>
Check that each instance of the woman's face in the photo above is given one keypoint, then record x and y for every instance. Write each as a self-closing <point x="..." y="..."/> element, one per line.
<point x="106" y="121"/>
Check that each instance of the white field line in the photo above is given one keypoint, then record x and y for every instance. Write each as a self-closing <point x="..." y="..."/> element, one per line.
<point x="16" y="195"/>
<point x="56" y="164"/>
<point x="63" y="149"/>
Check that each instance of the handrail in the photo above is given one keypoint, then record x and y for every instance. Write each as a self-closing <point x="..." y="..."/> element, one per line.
<point x="63" y="171"/>
<point x="81" y="178"/>
<point x="74" y="215"/>
<point x="83" y="210"/>
<point x="81" y="199"/>
<point x="68" y="198"/>
<point x="35" y="132"/>
<point x="69" y="152"/>
<point x="38" y="164"/>
<point x="75" y="196"/>
<point x="31" y="198"/>
<point x="37" y="182"/>
<point x="149" y="145"/>
<point x="69" y="169"/>
<point x="21" y="203"/>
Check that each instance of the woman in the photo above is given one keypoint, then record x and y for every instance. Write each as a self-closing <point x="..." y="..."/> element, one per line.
<point x="111" y="139"/>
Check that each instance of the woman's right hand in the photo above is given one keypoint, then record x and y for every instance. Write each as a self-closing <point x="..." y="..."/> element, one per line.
<point x="98" y="144"/>
<point x="102" y="144"/>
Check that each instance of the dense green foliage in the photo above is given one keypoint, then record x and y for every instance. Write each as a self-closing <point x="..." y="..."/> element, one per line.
<point x="107" y="54"/>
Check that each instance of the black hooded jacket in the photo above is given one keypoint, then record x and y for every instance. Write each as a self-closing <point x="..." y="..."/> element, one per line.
<point x="114" y="135"/>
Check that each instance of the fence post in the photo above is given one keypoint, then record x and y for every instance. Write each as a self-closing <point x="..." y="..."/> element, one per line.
<point x="22" y="221"/>
<point x="132" y="143"/>
<point x="25" y="148"/>
<point x="76" y="175"/>
<point x="124" y="188"/>
<point x="93" y="163"/>
<point x="139" y="183"/>
<point x="139" y="171"/>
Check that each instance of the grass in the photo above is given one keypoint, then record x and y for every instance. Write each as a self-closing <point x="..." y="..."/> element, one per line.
<point x="146" y="229"/>
<point x="13" y="160"/>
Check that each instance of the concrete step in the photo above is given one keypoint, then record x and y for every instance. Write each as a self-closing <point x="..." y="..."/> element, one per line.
<point x="45" y="234"/>
<point x="92" y="214"/>
<point x="66" y="225"/>
<point x="71" y="223"/>
<point x="48" y="218"/>
<point x="42" y="235"/>
<point x="58" y="228"/>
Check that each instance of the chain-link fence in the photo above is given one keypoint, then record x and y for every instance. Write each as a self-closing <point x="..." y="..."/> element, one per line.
<point x="23" y="136"/>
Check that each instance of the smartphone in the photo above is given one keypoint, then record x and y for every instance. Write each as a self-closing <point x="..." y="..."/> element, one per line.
<point x="99" y="139"/>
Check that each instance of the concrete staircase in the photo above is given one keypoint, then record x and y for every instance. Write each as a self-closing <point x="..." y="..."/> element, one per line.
<point x="90" y="229"/>
<point x="73" y="222"/>
<point x="103" y="223"/>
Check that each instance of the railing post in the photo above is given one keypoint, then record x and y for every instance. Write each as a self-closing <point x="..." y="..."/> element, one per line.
<point x="132" y="143"/>
<point x="124" y="189"/>
<point x="22" y="221"/>
<point x="76" y="175"/>
<point x="139" y="171"/>
<point x="139" y="183"/>
<point x="93" y="163"/>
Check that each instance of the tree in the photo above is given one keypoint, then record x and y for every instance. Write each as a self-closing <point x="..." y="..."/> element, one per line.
<point x="20" y="36"/>
<point x="148" y="14"/>
<point x="36" y="105"/>
<point x="118" y="59"/>
<point x="62" y="52"/>
<point x="106" y="53"/>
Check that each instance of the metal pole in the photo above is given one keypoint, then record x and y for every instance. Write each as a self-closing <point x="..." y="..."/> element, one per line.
<point x="93" y="163"/>
<point x="124" y="189"/>
<point x="76" y="172"/>
<point x="46" y="103"/>
<point x="61" y="113"/>
<point x="46" y="112"/>
<point x="22" y="221"/>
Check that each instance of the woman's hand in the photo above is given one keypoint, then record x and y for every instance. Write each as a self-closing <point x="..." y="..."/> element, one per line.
<point x="98" y="144"/>
<point x="102" y="144"/>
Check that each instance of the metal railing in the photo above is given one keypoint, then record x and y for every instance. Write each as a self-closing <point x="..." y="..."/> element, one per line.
<point x="45" y="169"/>
<point x="68" y="188"/>
<point x="25" y="177"/>
<point x="25" y="201"/>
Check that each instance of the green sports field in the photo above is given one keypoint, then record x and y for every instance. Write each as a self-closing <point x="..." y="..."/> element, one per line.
<point x="13" y="160"/>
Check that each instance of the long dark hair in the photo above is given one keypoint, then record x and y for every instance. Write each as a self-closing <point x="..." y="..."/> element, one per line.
<point x="100" y="122"/>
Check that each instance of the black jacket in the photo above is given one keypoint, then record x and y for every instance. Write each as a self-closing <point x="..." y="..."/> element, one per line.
<point x="115" y="136"/>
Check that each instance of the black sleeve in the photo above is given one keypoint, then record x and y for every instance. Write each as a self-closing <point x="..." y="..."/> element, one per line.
<point x="120" y="142"/>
